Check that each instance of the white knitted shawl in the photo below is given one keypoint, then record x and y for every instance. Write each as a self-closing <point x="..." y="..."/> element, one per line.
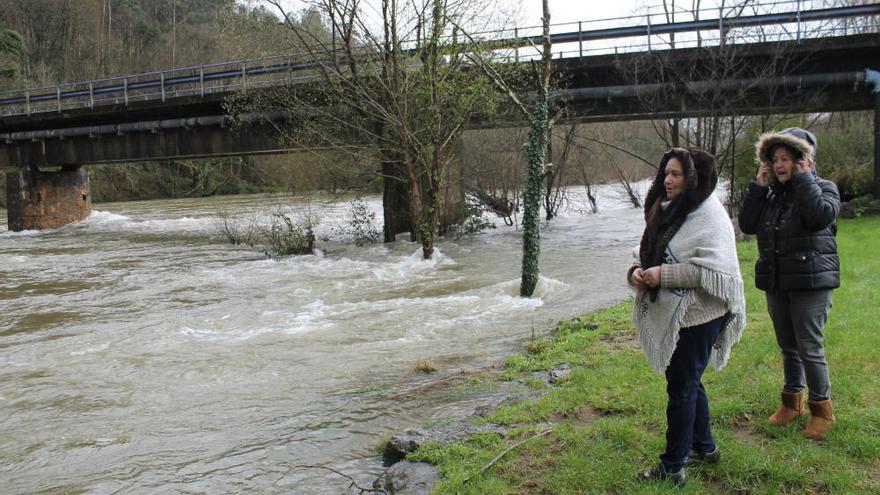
<point x="706" y="240"/>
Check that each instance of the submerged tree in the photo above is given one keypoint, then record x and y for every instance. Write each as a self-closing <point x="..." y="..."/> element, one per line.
<point x="397" y="92"/>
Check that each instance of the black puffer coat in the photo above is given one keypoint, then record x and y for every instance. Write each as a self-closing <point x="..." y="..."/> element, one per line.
<point x="796" y="224"/>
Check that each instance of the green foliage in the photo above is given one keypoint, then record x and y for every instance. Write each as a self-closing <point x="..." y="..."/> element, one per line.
<point x="846" y="152"/>
<point x="361" y="224"/>
<point x="864" y="204"/>
<point x="11" y="43"/>
<point x="285" y="237"/>
<point x="608" y="419"/>
<point x="469" y="219"/>
<point x="11" y="49"/>
<point x="76" y="41"/>
<point x="538" y="346"/>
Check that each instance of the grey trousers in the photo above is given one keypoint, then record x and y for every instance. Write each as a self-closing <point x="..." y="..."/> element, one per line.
<point x="799" y="317"/>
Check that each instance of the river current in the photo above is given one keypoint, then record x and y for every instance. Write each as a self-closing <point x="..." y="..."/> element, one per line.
<point x="139" y="353"/>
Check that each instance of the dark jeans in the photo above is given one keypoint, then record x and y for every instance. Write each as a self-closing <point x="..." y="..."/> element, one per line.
<point x="687" y="412"/>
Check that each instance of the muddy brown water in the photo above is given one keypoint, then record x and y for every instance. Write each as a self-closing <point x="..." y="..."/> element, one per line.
<point x="141" y="354"/>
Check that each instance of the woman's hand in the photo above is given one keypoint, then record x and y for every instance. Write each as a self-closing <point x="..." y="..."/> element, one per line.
<point x="637" y="279"/>
<point x="803" y="166"/>
<point x="763" y="177"/>
<point x="651" y="276"/>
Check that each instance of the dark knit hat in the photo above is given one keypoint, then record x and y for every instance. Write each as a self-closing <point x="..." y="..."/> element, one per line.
<point x="801" y="141"/>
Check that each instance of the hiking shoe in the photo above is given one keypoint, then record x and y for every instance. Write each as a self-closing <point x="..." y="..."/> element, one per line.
<point x="660" y="473"/>
<point x="695" y="458"/>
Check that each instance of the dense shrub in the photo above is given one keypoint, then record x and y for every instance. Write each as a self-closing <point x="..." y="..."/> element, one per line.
<point x="361" y="225"/>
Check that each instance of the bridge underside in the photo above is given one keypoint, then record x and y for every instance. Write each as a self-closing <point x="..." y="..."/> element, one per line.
<point x="821" y="75"/>
<point x="153" y="143"/>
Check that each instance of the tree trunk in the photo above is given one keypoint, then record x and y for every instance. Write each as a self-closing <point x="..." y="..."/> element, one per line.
<point x="536" y="150"/>
<point x="676" y="133"/>
<point x="395" y="202"/>
<point x="535" y="154"/>
<point x="422" y="228"/>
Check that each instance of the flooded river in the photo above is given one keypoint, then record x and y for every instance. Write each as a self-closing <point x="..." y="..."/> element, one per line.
<point x="140" y="354"/>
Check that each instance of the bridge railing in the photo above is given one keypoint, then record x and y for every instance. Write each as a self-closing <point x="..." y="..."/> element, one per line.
<point x="172" y="83"/>
<point x="772" y="21"/>
<point x="659" y="43"/>
<point x="781" y="20"/>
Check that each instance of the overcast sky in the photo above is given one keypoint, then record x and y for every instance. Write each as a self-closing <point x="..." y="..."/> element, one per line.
<point x="582" y="10"/>
<point x="561" y="11"/>
<point x="564" y="15"/>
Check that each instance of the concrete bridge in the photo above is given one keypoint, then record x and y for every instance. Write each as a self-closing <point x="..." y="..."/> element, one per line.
<point x="179" y="113"/>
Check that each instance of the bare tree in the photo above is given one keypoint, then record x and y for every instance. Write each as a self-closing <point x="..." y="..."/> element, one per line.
<point x="400" y="93"/>
<point x="554" y="175"/>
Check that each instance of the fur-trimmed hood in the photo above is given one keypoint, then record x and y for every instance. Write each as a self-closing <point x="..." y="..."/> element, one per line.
<point x="801" y="141"/>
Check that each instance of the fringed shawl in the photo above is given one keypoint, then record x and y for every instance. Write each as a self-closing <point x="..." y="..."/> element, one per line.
<point x="706" y="240"/>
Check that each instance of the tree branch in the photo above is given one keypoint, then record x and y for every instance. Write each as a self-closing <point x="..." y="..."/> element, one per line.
<point x="490" y="72"/>
<point x="499" y="456"/>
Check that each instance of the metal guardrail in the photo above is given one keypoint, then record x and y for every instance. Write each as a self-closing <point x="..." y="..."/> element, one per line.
<point x="517" y="44"/>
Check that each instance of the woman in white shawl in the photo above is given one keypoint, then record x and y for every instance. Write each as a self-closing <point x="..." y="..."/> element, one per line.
<point x="689" y="308"/>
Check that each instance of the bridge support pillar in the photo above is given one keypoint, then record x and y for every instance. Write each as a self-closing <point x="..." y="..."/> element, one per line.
<point x="39" y="200"/>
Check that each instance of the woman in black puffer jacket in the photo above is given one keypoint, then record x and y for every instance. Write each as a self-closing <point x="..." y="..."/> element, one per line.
<point x="794" y="214"/>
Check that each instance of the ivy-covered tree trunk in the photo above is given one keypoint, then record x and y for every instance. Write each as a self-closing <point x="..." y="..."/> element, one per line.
<point x="535" y="153"/>
<point x="536" y="150"/>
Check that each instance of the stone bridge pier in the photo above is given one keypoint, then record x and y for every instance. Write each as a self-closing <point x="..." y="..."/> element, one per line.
<point x="39" y="200"/>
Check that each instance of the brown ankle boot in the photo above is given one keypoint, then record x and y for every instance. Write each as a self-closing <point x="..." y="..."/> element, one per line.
<point x="821" y="419"/>
<point x="792" y="407"/>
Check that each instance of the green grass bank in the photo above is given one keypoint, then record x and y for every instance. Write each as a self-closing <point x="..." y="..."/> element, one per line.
<point x="607" y="420"/>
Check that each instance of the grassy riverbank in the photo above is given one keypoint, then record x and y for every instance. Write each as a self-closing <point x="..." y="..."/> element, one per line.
<point x="607" y="420"/>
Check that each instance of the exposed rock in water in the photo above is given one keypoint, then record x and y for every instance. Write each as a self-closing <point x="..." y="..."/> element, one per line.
<point x="408" y="478"/>
<point x="410" y="440"/>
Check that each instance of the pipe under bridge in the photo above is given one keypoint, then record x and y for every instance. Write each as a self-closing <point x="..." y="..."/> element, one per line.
<point x="180" y="113"/>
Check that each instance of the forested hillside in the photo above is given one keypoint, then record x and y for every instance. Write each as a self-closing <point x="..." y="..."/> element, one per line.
<point x="78" y="40"/>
